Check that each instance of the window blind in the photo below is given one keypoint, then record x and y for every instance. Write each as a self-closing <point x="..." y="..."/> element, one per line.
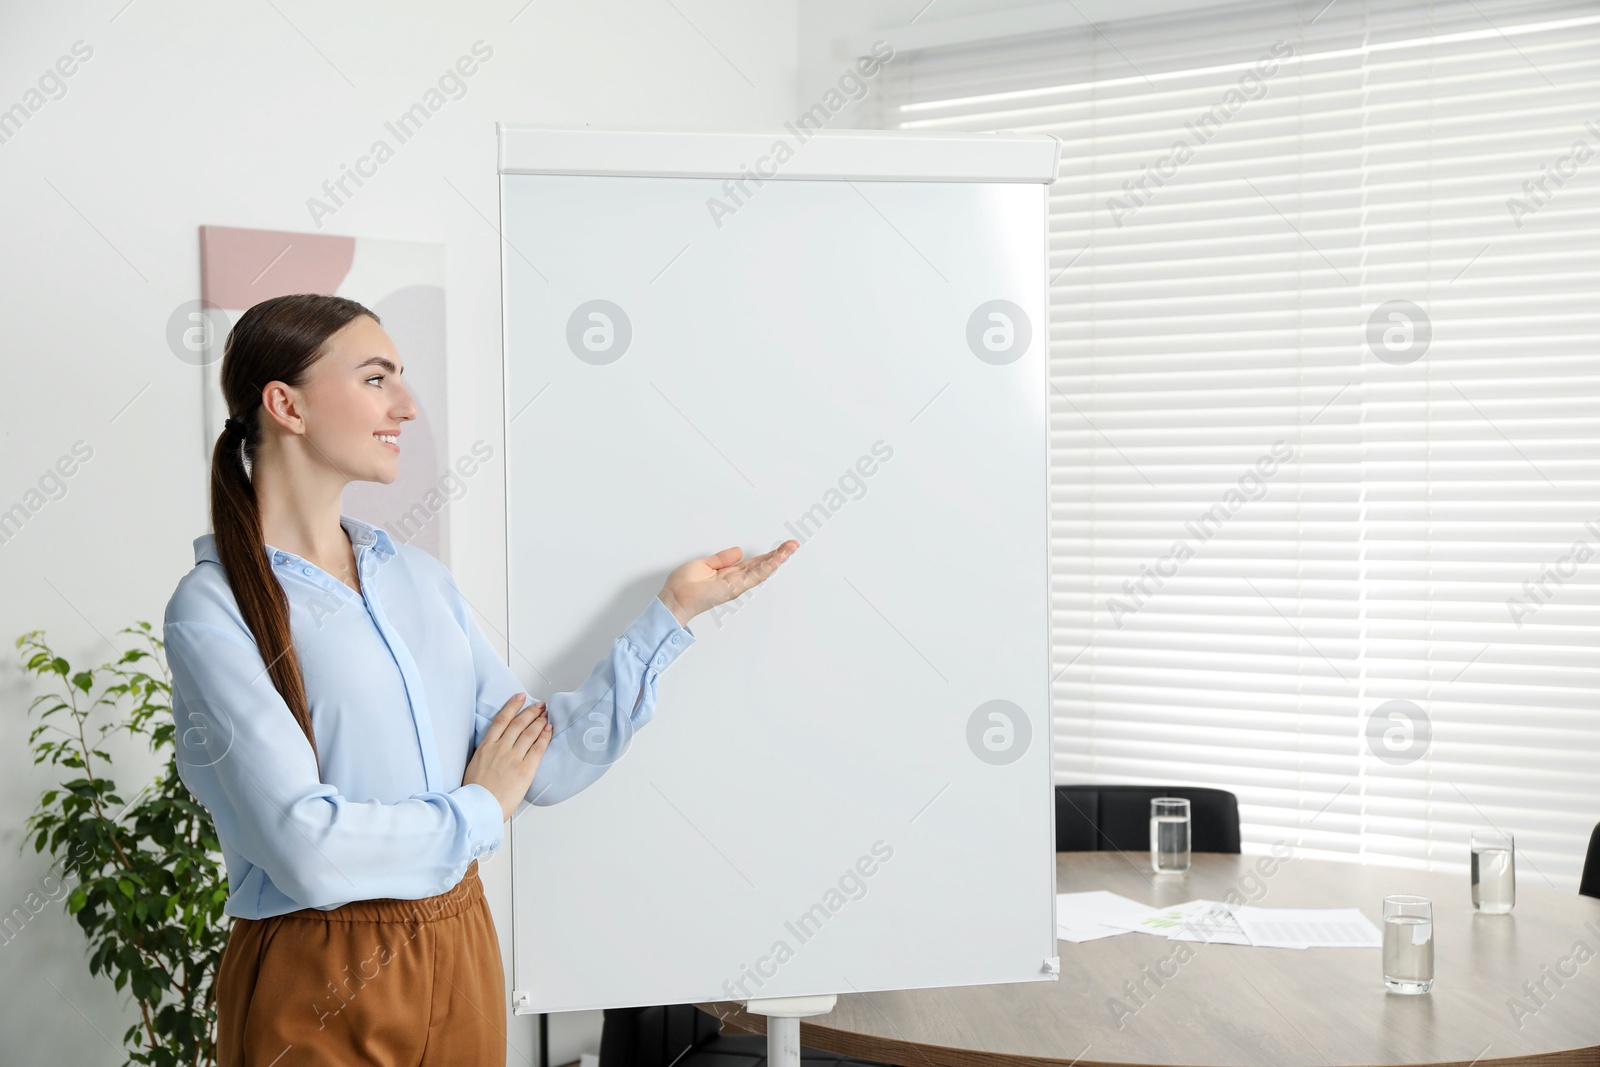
<point x="1325" y="430"/>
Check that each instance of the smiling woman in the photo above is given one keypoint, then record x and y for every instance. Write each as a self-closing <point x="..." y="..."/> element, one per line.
<point x="338" y="710"/>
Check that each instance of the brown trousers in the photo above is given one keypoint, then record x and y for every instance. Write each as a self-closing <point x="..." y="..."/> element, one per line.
<point x="382" y="983"/>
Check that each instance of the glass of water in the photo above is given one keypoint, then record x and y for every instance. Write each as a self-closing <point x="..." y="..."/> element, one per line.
<point x="1169" y="835"/>
<point x="1494" y="872"/>
<point x="1407" y="944"/>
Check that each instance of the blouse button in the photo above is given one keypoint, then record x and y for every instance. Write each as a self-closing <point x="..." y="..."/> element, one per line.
<point x="306" y="570"/>
<point x="676" y="638"/>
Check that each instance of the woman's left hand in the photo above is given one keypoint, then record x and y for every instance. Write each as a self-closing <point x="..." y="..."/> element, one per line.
<point x="702" y="584"/>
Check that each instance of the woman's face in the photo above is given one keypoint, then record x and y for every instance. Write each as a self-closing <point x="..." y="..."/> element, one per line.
<point x="353" y="395"/>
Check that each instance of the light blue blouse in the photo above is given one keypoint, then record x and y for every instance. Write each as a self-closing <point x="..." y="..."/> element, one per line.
<point x="402" y="685"/>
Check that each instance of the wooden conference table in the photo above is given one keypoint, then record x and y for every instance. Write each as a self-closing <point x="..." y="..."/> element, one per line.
<point x="1240" y="1005"/>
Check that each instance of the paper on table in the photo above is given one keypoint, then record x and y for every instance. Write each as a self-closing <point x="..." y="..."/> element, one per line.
<point x="1194" y="920"/>
<point x="1087" y="916"/>
<point x="1313" y="927"/>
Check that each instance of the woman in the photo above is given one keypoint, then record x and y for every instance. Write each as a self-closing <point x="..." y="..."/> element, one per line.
<point x="356" y="739"/>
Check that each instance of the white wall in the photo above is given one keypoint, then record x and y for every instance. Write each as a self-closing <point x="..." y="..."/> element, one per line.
<point x="189" y="113"/>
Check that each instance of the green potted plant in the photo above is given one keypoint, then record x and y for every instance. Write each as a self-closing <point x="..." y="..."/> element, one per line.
<point x="149" y="884"/>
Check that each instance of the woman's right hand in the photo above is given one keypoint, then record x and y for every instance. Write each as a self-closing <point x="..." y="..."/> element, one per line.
<point x="507" y="758"/>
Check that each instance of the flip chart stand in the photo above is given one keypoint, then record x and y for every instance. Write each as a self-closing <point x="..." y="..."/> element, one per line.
<point x="783" y="1023"/>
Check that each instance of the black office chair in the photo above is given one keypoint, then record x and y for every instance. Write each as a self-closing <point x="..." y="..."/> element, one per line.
<point x="1107" y="818"/>
<point x="681" y="1035"/>
<point x="654" y="1036"/>
<point x="1589" y="885"/>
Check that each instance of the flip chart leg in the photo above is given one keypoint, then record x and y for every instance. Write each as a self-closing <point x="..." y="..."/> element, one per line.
<point x="783" y="1023"/>
<point x="783" y="1042"/>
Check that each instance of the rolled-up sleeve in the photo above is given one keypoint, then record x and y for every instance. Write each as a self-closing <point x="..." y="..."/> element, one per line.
<point x="593" y="723"/>
<point x="243" y="755"/>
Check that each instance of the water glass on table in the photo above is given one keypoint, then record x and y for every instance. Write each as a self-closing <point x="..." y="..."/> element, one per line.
<point x="1407" y="944"/>
<point x="1494" y="872"/>
<point x="1169" y="835"/>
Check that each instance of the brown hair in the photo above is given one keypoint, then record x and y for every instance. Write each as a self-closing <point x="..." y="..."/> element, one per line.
<point x="276" y="340"/>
